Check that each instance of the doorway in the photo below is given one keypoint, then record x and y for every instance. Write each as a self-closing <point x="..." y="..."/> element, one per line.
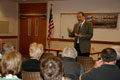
<point x="33" y="22"/>
<point x="32" y="29"/>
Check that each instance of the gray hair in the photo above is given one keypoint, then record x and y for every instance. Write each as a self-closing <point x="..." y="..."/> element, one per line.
<point x="69" y="52"/>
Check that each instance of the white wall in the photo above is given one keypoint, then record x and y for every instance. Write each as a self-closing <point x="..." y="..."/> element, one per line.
<point x="9" y="12"/>
<point x="87" y="6"/>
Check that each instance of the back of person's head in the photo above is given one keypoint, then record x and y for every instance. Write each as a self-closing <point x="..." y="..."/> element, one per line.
<point x="6" y="47"/>
<point x="117" y="49"/>
<point x="11" y="62"/>
<point x="35" y="50"/>
<point x="51" y="68"/>
<point x="108" y="55"/>
<point x="69" y="52"/>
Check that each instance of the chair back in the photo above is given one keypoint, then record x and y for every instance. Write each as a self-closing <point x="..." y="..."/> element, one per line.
<point x="31" y="76"/>
<point x="67" y="78"/>
<point x="87" y="62"/>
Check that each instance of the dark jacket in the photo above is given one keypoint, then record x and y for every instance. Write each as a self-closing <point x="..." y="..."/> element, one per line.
<point x="87" y="32"/>
<point x="72" y="68"/>
<point x="31" y="65"/>
<point x="105" y="72"/>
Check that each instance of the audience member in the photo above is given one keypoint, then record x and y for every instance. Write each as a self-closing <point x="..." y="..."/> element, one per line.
<point x="72" y="68"/>
<point x="33" y="64"/>
<point x="104" y="69"/>
<point x="6" y="47"/>
<point x="52" y="68"/>
<point x="10" y="65"/>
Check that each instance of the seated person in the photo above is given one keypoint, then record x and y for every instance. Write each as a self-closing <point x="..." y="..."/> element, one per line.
<point x="10" y="65"/>
<point x="104" y="69"/>
<point x="72" y="68"/>
<point x="33" y="64"/>
<point x="52" y="68"/>
<point x="6" y="47"/>
<point x="117" y="49"/>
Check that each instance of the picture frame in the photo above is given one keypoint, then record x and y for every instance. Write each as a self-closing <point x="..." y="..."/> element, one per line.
<point x="103" y="20"/>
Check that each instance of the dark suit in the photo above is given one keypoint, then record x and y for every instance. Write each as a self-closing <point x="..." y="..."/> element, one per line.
<point x="31" y="65"/>
<point x="72" y="68"/>
<point x="105" y="72"/>
<point x="84" y="41"/>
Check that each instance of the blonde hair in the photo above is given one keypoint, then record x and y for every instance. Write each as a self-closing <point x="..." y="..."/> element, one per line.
<point x="36" y="50"/>
<point x="11" y="62"/>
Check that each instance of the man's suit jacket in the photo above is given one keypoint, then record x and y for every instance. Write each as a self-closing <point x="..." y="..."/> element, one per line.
<point x="87" y="32"/>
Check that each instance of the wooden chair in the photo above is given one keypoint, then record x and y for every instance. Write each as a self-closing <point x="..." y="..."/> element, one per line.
<point x="31" y="76"/>
<point x="87" y="62"/>
<point x="67" y="78"/>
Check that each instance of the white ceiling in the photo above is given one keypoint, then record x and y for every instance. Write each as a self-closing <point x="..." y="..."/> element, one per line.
<point x="46" y="0"/>
<point x="34" y="0"/>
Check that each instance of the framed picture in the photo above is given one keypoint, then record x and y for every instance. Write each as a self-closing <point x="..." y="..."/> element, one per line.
<point x="103" y="20"/>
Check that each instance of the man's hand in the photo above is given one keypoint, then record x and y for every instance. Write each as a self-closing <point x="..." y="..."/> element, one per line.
<point x="78" y="35"/>
<point x="98" y="63"/>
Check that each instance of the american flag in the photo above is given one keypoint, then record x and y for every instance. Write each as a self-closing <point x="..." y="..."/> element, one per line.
<point x="50" y="27"/>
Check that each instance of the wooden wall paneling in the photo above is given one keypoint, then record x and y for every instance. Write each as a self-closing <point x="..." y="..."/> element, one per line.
<point x="33" y="8"/>
<point x="32" y="11"/>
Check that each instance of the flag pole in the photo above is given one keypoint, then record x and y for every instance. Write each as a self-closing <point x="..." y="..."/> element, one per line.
<point x="51" y="26"/>
<point x="49" y="22"/>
